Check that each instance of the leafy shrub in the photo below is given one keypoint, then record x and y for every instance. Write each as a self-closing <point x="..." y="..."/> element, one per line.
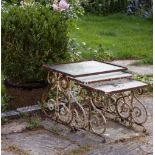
<point x="32" y="35"/>
<point x="145" y="10"/>
<point x="105" y="7"/>
<point x="74" y="49"/>
<point x="81" y="51"/>
<point x="102" y="54"/>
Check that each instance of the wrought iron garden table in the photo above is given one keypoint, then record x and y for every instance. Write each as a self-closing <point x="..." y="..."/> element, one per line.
<point x="86" y="94"/>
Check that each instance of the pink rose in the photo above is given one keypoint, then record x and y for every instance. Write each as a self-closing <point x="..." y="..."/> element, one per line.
<point x="60" y="6"/>
<point x="63" y="5"/>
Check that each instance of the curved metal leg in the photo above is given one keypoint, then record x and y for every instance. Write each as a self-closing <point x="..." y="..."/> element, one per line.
<point x="51" y="103"/>
<point x="124" y="107"/>
<point x="97" y="120"/>
<point x="131" y="110"/>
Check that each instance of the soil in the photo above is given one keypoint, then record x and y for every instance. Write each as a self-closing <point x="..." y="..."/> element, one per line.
<point x="24" y="95"/>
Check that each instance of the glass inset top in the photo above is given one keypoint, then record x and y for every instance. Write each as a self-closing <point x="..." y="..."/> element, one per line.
<point x="103" y="77"/>
<point x="85" y="68"/>
<point x="117" y="85"/>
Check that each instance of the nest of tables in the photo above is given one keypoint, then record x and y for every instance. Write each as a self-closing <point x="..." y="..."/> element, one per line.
<point x="83" y="95"/>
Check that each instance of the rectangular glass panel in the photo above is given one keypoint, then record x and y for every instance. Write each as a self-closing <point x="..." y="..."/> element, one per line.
<point x="117" y="85"/>
<point x="85" y="68"/>
<point x="103" y="77"/>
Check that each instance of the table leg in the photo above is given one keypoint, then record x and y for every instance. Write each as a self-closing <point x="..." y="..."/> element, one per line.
<point x="131" y="110"/>
<point x="51" y="103"/>
<point x="97" y="120"/>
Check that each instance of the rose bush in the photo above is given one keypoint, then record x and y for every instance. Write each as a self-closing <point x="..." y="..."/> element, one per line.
<point x="32" y="34"/>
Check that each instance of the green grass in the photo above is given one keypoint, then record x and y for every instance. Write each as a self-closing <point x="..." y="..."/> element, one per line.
<point x="127" y="37"/>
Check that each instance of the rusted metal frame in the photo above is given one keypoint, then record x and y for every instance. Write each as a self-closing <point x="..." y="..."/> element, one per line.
<point x="87" y="121"/>
<point x="107" y="106"/>
<point x="54" y="84"/>
<point x="92" y="114"/>
<point x="95" y="116"/>
<point x="56" y="106"/>
<point x="124" y="90"/>
<point x="121" y="93"/>
<point x="132" y="107"/>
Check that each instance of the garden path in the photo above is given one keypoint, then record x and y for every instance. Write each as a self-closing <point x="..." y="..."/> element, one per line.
<point x="138" y="69"/>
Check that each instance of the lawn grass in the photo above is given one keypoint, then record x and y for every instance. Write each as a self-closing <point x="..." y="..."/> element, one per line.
<point x="127" y="37"/>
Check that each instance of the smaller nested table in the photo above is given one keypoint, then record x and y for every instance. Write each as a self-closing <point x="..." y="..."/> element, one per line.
<point x="85" y="94"/>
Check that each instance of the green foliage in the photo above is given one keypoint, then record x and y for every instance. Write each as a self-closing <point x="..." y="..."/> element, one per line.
<point x="23" y="115"/>
<point x="102" y="54"/>
<point x="77" y="52"/>
<point x="105" y="7"/>
<point x="4" y="102"/>
<point x="74" y="49"/>
<point x="146" y="61"/>
<point x="75" y="10"/>
<point x="4" y="97"/>
<point x="33" y="123"/>
<point x="144" y="78"/>
<point x="145" y="11"/>
<point x="33" y="34"/>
